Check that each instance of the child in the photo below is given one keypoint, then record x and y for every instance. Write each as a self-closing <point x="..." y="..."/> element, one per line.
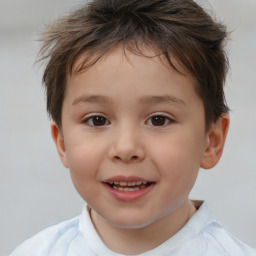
<point x="135" y="92"/>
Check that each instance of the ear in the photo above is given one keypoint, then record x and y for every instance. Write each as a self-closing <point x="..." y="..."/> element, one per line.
<point x="215" y="140"/>
<point x="59" y="142"/>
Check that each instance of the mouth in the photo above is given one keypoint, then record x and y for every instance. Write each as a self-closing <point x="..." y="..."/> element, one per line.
<point x="131" y="186"/>
<point x="128" y="189"/>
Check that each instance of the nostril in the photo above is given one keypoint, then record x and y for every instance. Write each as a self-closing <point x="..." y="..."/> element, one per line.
<point x="132" y="158"/>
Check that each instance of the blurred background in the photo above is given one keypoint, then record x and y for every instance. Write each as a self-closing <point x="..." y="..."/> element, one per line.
<point x="36" y="191"/>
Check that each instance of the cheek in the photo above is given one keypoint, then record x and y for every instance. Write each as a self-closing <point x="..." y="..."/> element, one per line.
<point x="84" y="164"/>
<point x="178" y="169"/>
<point x="84" y="154"/>
<point x="178" y="160"/>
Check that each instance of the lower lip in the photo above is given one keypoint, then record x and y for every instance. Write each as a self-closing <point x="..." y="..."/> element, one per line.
<point x="129" y="196"/>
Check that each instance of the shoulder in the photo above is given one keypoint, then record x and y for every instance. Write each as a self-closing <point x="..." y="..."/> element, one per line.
<point x="41" y="244"/>
<point x="222" y="240"/>
<point x="205" y="236"/>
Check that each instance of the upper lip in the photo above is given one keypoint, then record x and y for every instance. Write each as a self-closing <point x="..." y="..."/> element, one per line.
<point x="122" y="178"/>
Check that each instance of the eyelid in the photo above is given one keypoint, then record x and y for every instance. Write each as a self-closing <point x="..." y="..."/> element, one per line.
<point x="162" y="114"/>
<point x="91" y="115"/>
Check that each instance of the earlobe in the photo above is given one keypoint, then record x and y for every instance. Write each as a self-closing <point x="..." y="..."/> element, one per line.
<point x="215" y="141"/>
<point x="59" y="142"/>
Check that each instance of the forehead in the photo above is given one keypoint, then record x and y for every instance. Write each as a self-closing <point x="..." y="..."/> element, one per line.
<point x="121" y="70"/>
<point x="126" y="51"/>
<point x="135" y="56"/>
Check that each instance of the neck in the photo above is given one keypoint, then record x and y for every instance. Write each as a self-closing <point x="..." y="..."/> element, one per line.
<point x="135" y="241"/>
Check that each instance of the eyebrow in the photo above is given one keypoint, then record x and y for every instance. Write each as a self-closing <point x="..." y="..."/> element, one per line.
<point x="145" y="99"/>
<point x="162" y="99"/>
<point x="91" y="99"/>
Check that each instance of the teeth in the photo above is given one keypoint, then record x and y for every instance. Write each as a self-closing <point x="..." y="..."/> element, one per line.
<point x="131" y="189"/>
<point x="126" y="189"/>
<point x="130" y="184"/>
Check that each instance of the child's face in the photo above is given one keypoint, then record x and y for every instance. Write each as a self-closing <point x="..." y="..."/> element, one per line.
<point x="134" y="121"/>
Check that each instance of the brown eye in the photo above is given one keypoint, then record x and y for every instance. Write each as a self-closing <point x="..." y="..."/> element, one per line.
<point x="158" y="120"/>
<point x="97" y="121"/>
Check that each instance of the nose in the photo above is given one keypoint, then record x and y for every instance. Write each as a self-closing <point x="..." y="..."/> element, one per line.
<point x="126" y="146"/>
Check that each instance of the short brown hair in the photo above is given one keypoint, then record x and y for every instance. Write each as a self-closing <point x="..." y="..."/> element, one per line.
<point x="178" y="28"/>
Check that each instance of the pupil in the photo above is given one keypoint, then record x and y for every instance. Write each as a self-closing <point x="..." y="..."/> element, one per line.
<point x="99" y="120"/>
<point x="158" y="120"/>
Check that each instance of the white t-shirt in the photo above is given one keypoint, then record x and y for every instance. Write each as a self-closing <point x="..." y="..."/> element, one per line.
<point x="201" y="236"/>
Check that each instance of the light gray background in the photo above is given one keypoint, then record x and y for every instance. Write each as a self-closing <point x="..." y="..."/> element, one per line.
<point x="36" y="191"/>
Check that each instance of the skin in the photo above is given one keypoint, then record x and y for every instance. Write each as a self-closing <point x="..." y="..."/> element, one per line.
<point x="130" y="93"/>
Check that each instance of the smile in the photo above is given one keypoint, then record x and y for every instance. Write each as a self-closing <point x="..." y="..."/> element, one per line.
<point x="128" y="189"/>
<point x="128" y="186"/>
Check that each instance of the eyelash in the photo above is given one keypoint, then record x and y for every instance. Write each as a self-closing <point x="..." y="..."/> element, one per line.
<point x="160" y="117"/>
<point x="91" y="120"/>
